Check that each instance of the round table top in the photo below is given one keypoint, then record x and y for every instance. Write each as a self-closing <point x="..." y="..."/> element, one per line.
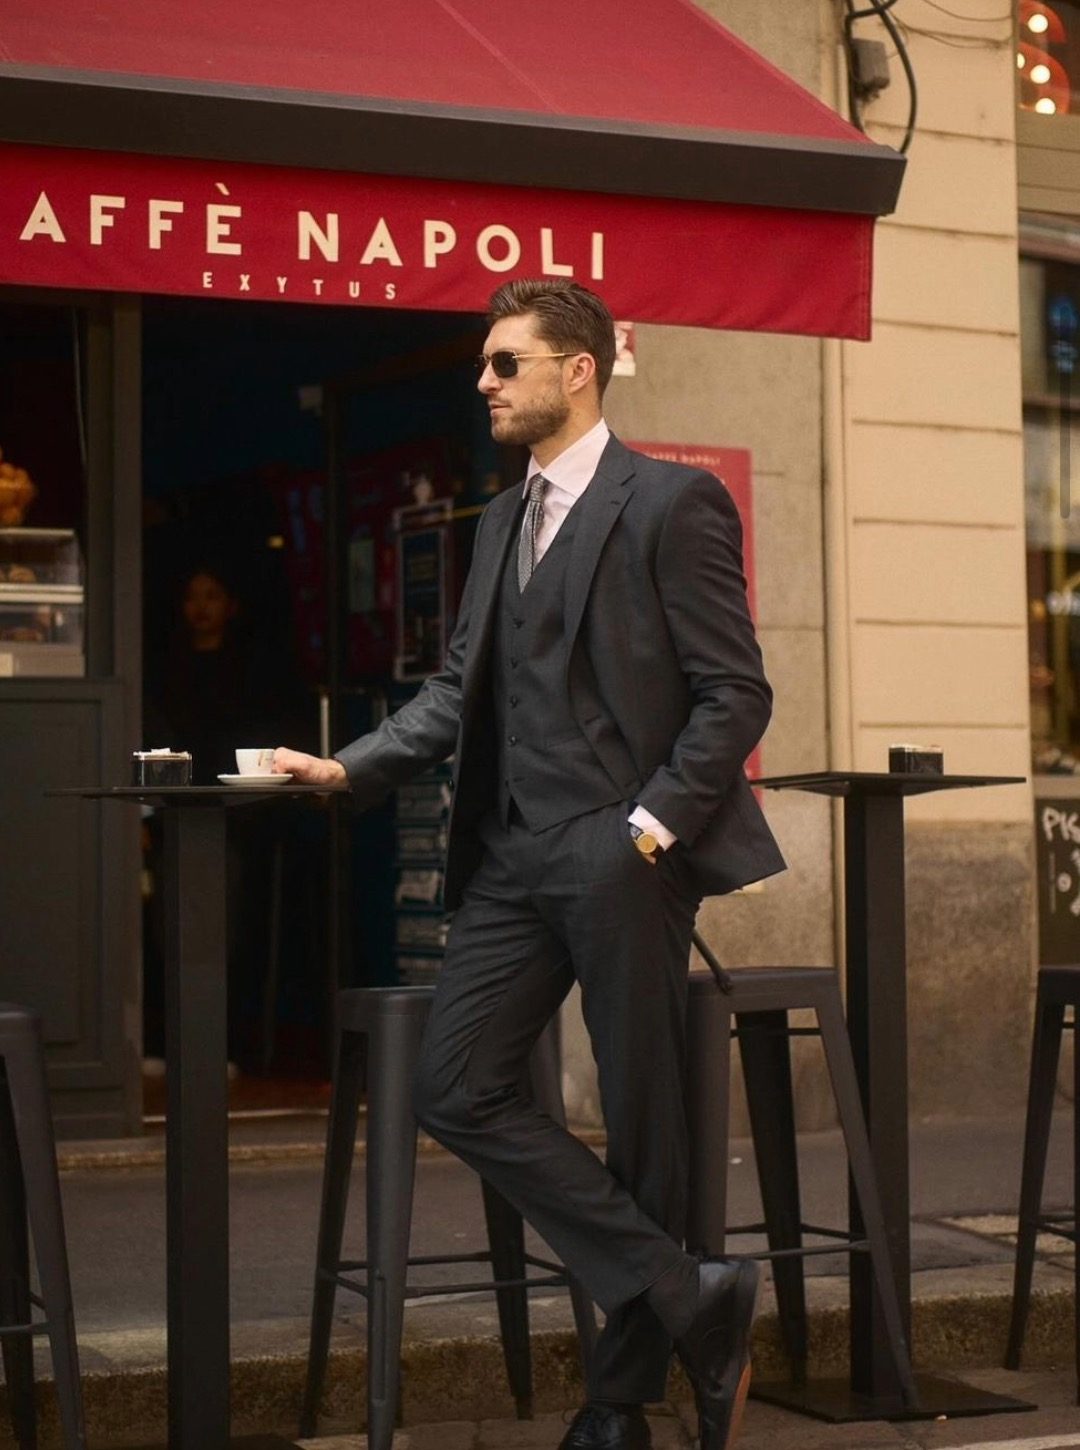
<point x="200" y="795"/>
<point x="880" y="782"/>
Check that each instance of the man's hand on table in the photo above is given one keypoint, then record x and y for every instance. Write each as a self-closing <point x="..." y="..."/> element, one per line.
<point x="308" y="769"/>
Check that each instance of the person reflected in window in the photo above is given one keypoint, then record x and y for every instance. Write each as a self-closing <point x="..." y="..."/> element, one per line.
<point x="204" y="700"/>
<point x="218" y="690"/>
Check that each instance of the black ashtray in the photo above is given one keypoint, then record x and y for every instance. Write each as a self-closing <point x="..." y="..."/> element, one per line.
<point x="161" y="767"/>
<point x="916" y="760"/>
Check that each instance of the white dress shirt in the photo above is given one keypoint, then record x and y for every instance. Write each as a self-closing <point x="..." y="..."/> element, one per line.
<point x="568" y="476"/>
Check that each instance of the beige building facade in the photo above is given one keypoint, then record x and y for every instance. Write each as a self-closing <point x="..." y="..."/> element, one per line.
<point x="888" y="495"/>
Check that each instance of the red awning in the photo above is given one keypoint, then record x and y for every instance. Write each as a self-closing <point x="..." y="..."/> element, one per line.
<point x="723" y="191"/>
<point x="666" y="63"/>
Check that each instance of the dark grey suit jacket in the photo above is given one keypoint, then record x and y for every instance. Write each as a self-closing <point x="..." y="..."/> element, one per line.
<point x="664" y="673"/>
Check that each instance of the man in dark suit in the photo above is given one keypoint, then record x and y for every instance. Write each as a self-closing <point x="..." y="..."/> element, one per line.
<point x="601" y="693"/>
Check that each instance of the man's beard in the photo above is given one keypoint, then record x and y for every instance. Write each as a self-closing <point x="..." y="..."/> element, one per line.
<point x="531" y="424"/>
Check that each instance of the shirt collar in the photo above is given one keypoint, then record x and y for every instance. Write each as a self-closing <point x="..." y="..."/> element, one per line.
<point x="573" y="469"/>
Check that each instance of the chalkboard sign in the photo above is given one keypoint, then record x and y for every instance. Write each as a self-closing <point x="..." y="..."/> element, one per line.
<point x="1057" y="857"/>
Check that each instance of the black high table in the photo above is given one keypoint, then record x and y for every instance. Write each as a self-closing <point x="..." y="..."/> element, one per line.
<point x="196" y="1084"/>
<point x="877" y="1022"/>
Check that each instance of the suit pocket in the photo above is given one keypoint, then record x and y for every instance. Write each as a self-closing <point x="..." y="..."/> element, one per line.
<point x="576" y="732"/>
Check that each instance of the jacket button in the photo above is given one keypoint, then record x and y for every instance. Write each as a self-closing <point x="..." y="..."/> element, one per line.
<point x="513" y="700"/>
<point x="518" y="623"/>
<point x="513" y="740"/>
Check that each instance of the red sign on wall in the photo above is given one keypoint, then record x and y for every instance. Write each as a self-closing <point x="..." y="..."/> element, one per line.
<point x="733" y="467"/>
<point x="132" y="223"/>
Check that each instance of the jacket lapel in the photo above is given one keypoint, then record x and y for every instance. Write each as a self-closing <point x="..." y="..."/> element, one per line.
<point x="604" y="499"/>
<point x="495" y="536"/>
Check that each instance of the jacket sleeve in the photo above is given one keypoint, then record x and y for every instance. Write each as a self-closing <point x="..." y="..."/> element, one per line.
<point x="423" y="732"/>
<point x="699" y="575"/>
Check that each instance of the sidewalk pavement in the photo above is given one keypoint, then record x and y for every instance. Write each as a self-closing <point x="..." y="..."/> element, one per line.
<point x="965" y="1177"/>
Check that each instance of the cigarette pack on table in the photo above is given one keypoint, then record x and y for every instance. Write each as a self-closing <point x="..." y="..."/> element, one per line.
<point x="161" y="767"/>
<point x="916" y="759"/>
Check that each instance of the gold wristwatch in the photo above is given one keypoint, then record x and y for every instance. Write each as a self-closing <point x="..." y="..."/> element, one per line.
<point x="646" y="842"/>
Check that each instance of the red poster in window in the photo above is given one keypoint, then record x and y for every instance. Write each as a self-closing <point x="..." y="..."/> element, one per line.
<point x="732" y="466"/>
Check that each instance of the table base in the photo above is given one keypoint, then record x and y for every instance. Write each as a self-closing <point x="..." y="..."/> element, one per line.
<point x="245" y="1442"/>
<point x="834" y="1401"/>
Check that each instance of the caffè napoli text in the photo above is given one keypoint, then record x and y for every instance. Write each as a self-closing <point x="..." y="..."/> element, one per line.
<point x="496" y="246"/>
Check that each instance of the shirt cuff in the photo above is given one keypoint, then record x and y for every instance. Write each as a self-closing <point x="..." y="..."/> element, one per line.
<point x="639" y="816"/>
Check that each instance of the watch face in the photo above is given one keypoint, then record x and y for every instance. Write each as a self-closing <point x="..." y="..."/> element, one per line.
<point x="647" y="843"/>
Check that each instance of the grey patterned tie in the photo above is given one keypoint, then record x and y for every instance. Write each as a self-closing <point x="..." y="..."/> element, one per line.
<point x="534" y="513"/>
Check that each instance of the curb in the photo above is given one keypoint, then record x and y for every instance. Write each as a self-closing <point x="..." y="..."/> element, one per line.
<point x="124" y="1155"/>
<point x="464" y="1379"/>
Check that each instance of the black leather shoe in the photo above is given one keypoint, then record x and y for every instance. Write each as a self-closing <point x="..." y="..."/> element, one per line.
<point x="599" y="1427"/>
<point x="715" y="1350"/>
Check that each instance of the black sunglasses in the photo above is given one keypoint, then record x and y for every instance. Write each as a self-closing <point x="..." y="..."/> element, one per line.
<point x="504" y="363"/>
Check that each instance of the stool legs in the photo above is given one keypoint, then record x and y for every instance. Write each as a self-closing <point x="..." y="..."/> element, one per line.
<point x="708" y="1054"/>
<point x="760" y="1003"/>
<point x="348" y="1082"/>
<point x="385" y="1038"/>
<point x="18" y="1349"/>
<point x="506" y="1238"/>
<point x="1045" y="1049"/>
<point x="1076" y="1205"/>
<point x="766" y="1063"/>
<point x="37" y="1151"/>
<point x="391" y="1169"/>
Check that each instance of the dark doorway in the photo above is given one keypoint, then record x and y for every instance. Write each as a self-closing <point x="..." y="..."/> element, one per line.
<point x="280" y="444"/>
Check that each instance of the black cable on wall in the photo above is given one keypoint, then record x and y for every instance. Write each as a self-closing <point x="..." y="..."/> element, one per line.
<point x="878" y="9"/>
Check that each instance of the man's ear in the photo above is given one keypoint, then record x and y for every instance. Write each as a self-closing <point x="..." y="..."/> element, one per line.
<point x="582" y="372"/>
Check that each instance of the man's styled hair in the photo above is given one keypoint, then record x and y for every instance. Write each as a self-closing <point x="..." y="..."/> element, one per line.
<point x="569" y="317"/>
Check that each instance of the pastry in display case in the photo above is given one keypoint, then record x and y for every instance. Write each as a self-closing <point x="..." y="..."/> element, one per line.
<point x="41" y="603"/>
<point x="17" y="492"/>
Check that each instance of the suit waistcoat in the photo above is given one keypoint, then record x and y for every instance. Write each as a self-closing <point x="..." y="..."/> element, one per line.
<point x="546" y="766"/>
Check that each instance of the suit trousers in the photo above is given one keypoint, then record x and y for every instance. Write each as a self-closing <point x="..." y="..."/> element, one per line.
<point x="576" y="902"/>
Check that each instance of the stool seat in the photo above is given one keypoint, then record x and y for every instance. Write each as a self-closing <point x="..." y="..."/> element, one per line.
<point x="359" y="1006"/>
<point x="378" y="1037"/>
<point x="30" y="1196"/>
<point x="752" y="1003"/>
<point x="1059" y="984"/>
<point x="765" y="983"/>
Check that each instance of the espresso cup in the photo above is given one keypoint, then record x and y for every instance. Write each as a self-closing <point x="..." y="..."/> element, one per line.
<point x="255" y="762"/>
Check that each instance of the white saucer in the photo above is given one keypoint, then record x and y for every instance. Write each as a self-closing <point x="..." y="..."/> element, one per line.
<point x="254" y="782"/>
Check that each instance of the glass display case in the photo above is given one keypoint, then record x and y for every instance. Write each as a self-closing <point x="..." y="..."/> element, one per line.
<point x="41" y="603"/>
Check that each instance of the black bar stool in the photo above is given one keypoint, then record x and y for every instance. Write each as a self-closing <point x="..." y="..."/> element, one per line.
<point x="30" y="1185"/>
<point x="1058" y="988"/>
<point x="378" y="1036"/>
<point x="759" y="1000"/>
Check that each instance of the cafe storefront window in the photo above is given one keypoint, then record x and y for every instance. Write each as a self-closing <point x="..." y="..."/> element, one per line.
<point x="1050" y="330"/>
<point x="42" y="492"/>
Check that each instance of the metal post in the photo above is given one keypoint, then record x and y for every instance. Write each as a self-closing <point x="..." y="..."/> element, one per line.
<point x="877" y="1022"/>
<point x="197" y="1184"/>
